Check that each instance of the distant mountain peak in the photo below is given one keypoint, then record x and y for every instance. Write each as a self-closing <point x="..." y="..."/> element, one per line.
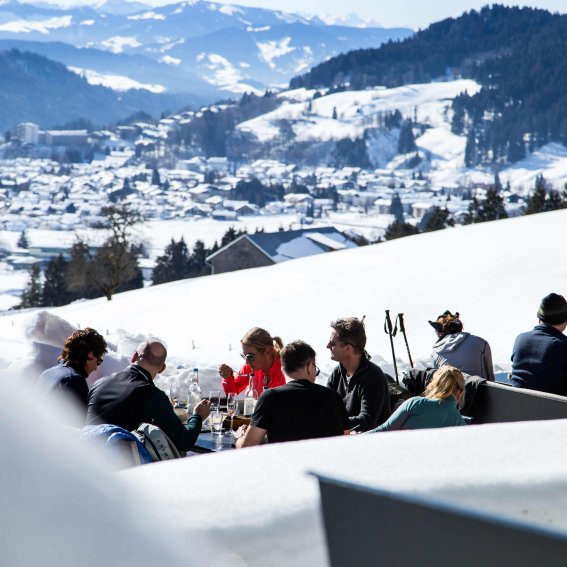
<point x="350" y="20"/>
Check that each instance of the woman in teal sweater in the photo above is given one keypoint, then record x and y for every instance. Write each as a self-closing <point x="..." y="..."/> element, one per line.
<point x="438" y="407"/>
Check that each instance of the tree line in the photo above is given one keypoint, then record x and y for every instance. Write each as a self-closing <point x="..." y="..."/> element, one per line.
<point x="113" y="267"/>
<point x="491" y="207"/>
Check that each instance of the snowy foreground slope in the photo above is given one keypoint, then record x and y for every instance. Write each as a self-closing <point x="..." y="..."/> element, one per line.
<point x="258" y="506"/>
<point x="494" y="274"/>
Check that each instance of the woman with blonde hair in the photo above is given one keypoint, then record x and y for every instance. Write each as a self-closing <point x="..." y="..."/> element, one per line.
<point x="261" y="353"/>
<point x="436" y="408"/>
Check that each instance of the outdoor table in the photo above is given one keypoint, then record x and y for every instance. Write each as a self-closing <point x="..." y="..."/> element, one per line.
<point x="209" y="443"/>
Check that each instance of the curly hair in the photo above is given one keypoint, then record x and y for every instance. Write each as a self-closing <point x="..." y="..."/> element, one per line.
<point x="77" y="347"/>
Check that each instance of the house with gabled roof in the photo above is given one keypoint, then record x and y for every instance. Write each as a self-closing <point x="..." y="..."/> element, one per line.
<point x="268" y="248"/>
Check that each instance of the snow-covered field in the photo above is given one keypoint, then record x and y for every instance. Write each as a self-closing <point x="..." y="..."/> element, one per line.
<point x="494" y="274"/>
<point x="258" y="506"/>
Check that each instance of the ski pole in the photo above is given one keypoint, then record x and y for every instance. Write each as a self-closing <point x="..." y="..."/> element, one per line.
<point x="391" y="332"/>
<point x="400" y="318"/>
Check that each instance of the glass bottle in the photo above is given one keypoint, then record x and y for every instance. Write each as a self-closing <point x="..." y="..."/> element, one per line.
<point x="250" y="397"/>
<point x="194" y="394"/>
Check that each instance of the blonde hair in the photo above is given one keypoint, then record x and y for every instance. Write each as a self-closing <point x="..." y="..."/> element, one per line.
<point x="261" y="340"/>
<point x="447" y="381"/>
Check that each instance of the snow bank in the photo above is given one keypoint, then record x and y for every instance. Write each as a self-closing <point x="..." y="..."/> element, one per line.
<point x="262" y="505"/>
<point x="60" y="506"/>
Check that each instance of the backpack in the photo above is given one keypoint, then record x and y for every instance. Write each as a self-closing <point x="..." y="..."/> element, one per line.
<point x="156" y="442"/>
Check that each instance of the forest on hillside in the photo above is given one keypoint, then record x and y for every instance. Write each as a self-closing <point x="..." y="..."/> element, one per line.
<point x="518" y="55"/>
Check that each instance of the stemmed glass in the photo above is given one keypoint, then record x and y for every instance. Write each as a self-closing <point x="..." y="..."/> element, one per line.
<point x="231" y="409"/>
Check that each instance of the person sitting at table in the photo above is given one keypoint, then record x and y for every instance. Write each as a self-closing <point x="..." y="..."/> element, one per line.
<point x="130" y="397"/>
<point x="82" y="353"/>
<point x="437" y="407"/>
<point x="300" y="409"/>
<point x="261" y="353"/>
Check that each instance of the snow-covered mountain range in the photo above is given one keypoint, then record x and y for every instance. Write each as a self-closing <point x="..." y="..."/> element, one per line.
<point x="232" y="48"/>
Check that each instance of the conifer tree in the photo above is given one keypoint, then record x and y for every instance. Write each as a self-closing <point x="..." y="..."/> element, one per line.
<point x="32" y="295"/>
<point x="397" y="208"/>
<point x="55" y="289"/>
<point x="406" y="141"/>
<point x="173" y="264"/>
<point x="436" y="218"/>
<point x="23" y="241"/>
<point x="536" y="201"/>
<point x="399" y="230"/>
<point x="492" y="208"/>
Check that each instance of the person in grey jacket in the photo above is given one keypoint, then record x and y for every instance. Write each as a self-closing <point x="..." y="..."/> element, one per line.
<point x="469" y="353"/>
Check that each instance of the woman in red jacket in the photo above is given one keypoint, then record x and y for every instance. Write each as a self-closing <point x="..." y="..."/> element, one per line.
<point x="261" y="353"/>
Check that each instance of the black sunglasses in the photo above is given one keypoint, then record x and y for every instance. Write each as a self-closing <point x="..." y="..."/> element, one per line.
<point x="317" y="370"/>
<point x="248" y="357"/>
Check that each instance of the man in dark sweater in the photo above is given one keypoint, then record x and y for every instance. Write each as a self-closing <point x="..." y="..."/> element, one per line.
<point x="82" y="353"/>
<point x="300" y="409"/>
<point x="362" y="385"/>
<point x="130" y="397"/>
<point x="539" y="358"/>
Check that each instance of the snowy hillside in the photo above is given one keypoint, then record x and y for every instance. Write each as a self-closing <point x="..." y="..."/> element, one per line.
<point x="323" y="121"/>
<point x="494" y="274"/>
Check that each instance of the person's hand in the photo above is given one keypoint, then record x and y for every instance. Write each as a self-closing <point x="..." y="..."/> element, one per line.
<point x="225" y="371"/>
<point x="240" y="431"/>
<point x="203" y="409"/>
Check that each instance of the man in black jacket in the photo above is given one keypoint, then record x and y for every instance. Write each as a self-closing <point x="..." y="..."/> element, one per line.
<point x="82" y="353"/>
<point x="130" y="397"/>
<point x="539" y="358"/>
<point x="362" y="385"/>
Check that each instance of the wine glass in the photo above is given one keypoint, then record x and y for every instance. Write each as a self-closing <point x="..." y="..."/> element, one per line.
<point x="231" y="409"/>
<point x="214" y="400"/>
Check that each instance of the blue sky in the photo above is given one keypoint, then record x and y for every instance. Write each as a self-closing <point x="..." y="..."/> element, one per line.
<point x="388" y="13"/>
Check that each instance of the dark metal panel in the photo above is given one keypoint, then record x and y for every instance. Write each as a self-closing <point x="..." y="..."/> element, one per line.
<point x="366" y="527"/>
<point x="497" y="403"/>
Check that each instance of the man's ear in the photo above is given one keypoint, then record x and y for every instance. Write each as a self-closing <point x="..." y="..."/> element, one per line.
<point x="163" y="368"/>
<point x="135" y="357"/>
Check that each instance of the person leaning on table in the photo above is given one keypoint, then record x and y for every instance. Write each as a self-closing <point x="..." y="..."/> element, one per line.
<point x="261" y="353"/>
<point x="130" y="397"/>
<point x="436" y="408"/>
<point x="300" y="409"/>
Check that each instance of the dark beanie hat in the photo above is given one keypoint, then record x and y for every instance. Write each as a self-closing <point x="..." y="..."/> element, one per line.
<point x="553" y="309"/>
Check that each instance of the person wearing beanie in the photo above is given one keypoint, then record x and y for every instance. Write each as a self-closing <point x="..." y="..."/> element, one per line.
<point x="469" y="353"/>
<point x="539" y="357"/>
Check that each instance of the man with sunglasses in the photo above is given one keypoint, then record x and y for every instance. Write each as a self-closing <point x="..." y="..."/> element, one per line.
<point x="300" y="409"/>
<point x="360" y="383"/>
<point x="82" y="353"/>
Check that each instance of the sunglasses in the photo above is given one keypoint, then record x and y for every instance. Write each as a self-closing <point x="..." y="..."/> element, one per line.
<point x="317" y="369"/>
<point x="332" y="344"/>
<point x="99" y="360"/>
<point x="248" y="357"/>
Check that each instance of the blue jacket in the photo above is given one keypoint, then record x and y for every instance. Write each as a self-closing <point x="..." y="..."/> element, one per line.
<point x="539" y="360"/>
<point x="70" y="381"/>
